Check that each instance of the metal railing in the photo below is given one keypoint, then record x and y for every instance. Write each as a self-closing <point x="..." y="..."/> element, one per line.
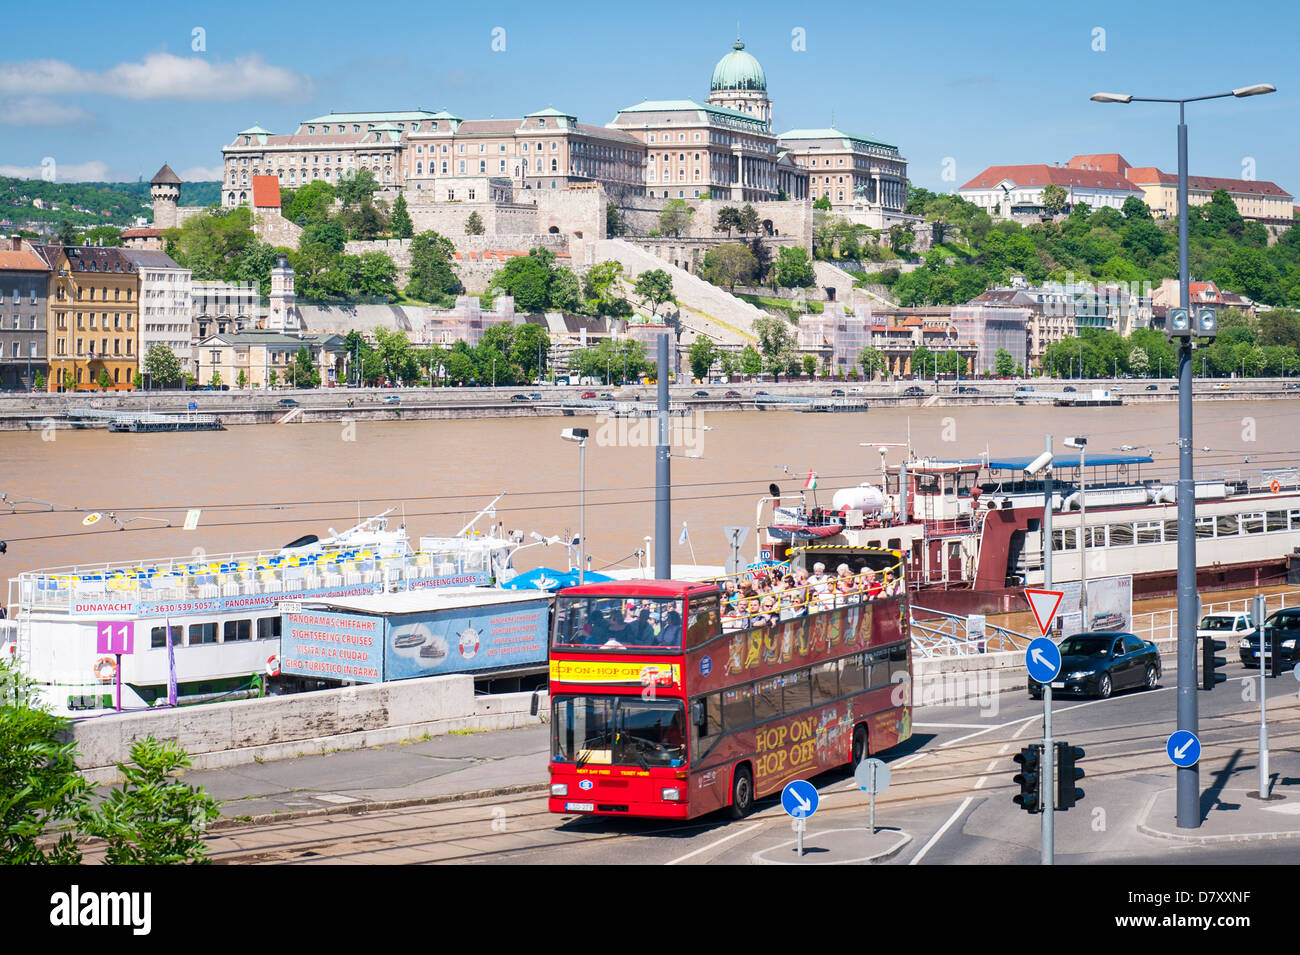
<point x="750" y="607"/>
<point x="1163" y="624"/>
<point x="945" y="635"/>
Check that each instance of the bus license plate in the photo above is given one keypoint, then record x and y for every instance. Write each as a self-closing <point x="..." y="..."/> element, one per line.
<point x="579" y="807"/>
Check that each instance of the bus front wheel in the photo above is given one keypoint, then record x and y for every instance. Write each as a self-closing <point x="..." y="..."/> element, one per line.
<point x="742" y="793"/>
<point x="859" y="745"/>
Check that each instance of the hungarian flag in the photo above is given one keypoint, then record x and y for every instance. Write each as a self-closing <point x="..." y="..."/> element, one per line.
<point x="811" y="483"/>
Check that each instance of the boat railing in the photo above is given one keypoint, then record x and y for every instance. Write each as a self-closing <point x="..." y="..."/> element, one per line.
<point x="746" y="606"/>
<point x="936" y="633"/>
<point x="173" y="581"/>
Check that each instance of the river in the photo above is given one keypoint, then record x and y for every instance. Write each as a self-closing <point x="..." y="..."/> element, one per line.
<point x="262" y="486"/>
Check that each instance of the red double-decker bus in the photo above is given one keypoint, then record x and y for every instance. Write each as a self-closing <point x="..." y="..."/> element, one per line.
<point x="673" y="699"/>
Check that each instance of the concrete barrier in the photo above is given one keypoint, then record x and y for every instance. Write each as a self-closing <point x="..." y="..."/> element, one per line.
<point x="246" y="731"/>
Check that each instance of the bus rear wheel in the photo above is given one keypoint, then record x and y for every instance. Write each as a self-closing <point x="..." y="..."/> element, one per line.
<point x="859" y="745"/>
<point x="742" y="793"/>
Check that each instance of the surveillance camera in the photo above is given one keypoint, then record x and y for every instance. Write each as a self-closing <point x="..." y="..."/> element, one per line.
<point x="1077" y="442"/>
<point x="1039" y="464"/>
<point x="574" y="434"/>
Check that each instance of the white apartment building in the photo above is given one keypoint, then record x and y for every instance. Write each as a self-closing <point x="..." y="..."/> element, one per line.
<point x="166" y="304"/>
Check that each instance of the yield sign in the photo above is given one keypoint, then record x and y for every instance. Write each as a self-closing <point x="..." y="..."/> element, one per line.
<point x="1044" y="603"/>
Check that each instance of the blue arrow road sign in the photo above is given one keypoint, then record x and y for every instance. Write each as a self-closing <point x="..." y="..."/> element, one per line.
<point x="1184" y="749"/>
<point x="1043" y="660"/>
<point x="799" y="799"/>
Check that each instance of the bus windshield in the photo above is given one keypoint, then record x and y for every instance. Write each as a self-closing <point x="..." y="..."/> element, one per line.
<point x="618" y="623"/>
<point x="620" y="731"/>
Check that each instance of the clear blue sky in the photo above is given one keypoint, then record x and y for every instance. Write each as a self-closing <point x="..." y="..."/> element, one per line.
<point x="121" y="90"/>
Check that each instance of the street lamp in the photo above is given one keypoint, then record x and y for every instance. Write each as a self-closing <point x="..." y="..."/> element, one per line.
<point x="579" y="437"/>
<point x="1180" y="326"/>
<point x="1082" y="444"/>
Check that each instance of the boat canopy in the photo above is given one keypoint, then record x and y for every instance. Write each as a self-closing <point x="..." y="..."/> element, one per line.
<point x="1070" y="459"/>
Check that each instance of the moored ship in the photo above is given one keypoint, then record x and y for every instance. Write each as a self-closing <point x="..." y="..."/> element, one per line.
<point x="972" y="528"/>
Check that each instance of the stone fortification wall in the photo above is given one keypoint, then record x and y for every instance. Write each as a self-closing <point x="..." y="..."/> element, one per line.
<point x="790" y="218"/>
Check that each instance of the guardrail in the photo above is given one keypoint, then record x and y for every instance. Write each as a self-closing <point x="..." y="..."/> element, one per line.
<point x="945" y="635"/>
<point x="1163" y="624"/>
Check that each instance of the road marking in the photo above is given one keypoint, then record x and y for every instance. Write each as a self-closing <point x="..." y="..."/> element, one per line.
<point x="1038" y="716"/>
<point x="992" y="766"/>
<point x="935" y="838"/>
<point x="910" y="759"/>
<point x="712" y="845"/>
<point x="989" y="729"/>
<point x="1005" y="747"/>
<point x="949" y="726"/>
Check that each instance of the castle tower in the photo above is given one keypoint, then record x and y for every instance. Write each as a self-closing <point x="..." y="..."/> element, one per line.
<point x="165" y="191"/>
<point x="283" y="314"/>
<point x="740" y="84"/>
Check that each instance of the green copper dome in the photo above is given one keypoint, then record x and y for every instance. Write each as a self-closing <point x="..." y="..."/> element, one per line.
<point x="738" y="71"/>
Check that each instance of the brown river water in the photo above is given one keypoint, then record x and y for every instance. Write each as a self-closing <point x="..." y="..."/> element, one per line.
<point x="262" y="486"/>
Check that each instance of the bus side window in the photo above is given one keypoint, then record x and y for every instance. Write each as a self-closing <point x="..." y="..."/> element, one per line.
<point x="878" y="661"/>
<point x="852" y="671"/>
<point x="798" y="694"/>
<point x="825" y="682"/>
<point x="738" y="707"/>
<point x="704" y="622"/>
<point x="897" y="662"/>
<point x="767" y="699"/>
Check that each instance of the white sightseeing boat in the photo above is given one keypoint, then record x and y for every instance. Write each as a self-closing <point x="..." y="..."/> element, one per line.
<point x="972" y="528"/>
<point x="223" y="611"/>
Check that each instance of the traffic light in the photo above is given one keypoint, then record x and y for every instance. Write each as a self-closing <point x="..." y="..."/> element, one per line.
<point x="1210" y="664"/>
<point x="1067" y="774"/>
<point x="1030" y="778"/>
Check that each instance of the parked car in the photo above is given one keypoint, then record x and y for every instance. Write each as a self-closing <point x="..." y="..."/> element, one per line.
<point x="857" y="390"/>
<point x="837" y="392"/>
<point x="758" y="394"/>
<point x="914" y="391"/>
<point x="1153" y="387"/>
<point x="1097" y="664"/>
<point x="607" y="396"/>
<point x="535" y="396"/>
<point x="1173" y="387"/>
<point x="391" y="399"/>
<point x="732" y="394"/>
<point x="588" y="394"/>
<point x="967" y="390"/>
<point x="288" y="402"/>
<point x="1024" y="389"/>
<point x="700" y="394"/>
<point x="1232" y="626"/>
<point x="518" y="397"/>
<point x="1069" y="388"/>
<point x="1281" y="631"/>
<point x="1221" y="386"/>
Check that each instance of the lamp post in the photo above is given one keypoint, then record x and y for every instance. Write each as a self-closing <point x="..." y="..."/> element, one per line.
<point x="1082" y="444"/>
<point x="1188" y="792"/>
<point x="579" y="437"/>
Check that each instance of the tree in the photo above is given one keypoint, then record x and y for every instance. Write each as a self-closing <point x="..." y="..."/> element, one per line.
<point x="153" y="818"/>
<point x="775" y="341"/>
<point x="901" y="239"/>
<point x="330" y="234"/>
<point x="793" y="268"/>
<point x="400" y="219"/>
<point x="67" y="234"/>
<point x="310" y="205"/>
<point x="748" y="223"/>
<point x="655" y="287"/>
<point x="613" y="221"/>
<point x="304" y="371"/>
<point x="1054" y="198"/>
<point x="528" y="279"/>
<point x="1003" y="364"/>
<point x="923" y="362"/>
<point x="1134" y="209"/>
<point x="105" y="235"/>
<point x="809" y="365"/>
<point x="599" y="283"/>
<point x="241" y="379"/>
<point x="367" y="221"/>
<point x="872" y="360"/>
<point x="675" y="217"/>
<point x="215" y="380"/>
<point x="727" y="364"/>
<point x="751" y="362"/>
<point x="357" y="187"/>
<point x="1138" y="361"/>
<point x="163" y="366"/>
<point x="823" y="204"/>
<point x="474" y="224"/>
<point x="729" y="265"/>
<point x="39" y="382"/>
<point x="530" y="349"/>
<point x="702" y="356"/>
<point x="104" y="381"/>
<point x="41" y="788"/>
<point x="728" y="219"/>
<point x="432" y="278"/>
<point x="213" y="243"/>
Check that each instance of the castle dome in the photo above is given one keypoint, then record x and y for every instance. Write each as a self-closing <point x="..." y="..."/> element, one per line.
<point x="738" y="70"/>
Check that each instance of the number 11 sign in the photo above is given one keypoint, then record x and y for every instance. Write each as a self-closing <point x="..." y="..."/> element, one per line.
<point x="115" y="636"/>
